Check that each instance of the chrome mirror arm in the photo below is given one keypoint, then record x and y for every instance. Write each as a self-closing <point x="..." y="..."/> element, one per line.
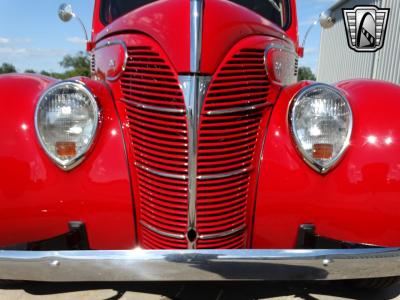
<point x="83" y="27"/>
<point x="308" y="32"/>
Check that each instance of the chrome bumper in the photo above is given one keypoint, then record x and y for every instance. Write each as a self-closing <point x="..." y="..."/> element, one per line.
<point x="199" y="265"/>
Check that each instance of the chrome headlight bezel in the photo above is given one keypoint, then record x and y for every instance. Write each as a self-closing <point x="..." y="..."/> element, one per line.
<point x="293" y="129"/>
<point x="70" y="164"/>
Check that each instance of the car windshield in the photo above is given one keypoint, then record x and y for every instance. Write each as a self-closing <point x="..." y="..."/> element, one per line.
<point x="276" y="11"/>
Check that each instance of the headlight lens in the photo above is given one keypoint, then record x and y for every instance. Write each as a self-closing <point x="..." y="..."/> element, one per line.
<point x="66" y="122"/>
<point x="321" y="121"/>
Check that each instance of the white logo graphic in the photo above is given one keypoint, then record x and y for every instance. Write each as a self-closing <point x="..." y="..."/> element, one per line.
<point x="366" y="27"/>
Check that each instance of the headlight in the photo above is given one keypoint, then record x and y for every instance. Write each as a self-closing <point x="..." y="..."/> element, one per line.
<point x="66" y="122"/>
<point x="321" y="123"/>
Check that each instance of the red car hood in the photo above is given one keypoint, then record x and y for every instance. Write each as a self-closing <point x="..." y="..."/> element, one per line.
<point x="168" y="22"/>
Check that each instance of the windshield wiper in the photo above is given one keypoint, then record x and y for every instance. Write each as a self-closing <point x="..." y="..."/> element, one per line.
<point x="276" y="6"/>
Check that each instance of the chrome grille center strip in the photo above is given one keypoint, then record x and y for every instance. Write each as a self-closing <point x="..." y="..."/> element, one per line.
<point x="196" y="24"/>
<point x="194" y="91"/>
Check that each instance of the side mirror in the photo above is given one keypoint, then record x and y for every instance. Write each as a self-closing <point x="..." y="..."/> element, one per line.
<point x="326" y="20"/>
<point x="65" y="12"/>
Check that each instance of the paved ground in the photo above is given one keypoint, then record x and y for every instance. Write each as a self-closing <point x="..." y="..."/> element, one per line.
<point x="242" y="291"/>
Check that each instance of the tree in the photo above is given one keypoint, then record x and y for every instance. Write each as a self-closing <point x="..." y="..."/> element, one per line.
<point x="45" y="73"/>
<point x="54" y="75"/>
<point x="7" y="68"/>
<point x="305" y="73"/>
<point x="77" y="65"/>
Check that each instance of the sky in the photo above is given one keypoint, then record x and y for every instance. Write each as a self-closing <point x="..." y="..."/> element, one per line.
<point x="32" y="36"/>
<point x="308" y="12"/>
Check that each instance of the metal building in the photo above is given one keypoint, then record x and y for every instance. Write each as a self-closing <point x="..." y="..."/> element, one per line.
<point x="338" y="62"/>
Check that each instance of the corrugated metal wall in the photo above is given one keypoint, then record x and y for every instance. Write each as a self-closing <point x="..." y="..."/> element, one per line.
<point x="388" y="59"/>
<point x="338" y="62"/>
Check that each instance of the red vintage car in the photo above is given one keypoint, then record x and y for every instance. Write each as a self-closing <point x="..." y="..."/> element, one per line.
<point x="194" y="154"/>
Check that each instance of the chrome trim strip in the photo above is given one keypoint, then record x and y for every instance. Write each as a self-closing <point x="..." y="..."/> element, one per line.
<point x="126" y="56"/>
<point x="199" y="265"/>
<point x="160" y="173"/>
<point x="154" y="108"/>
<point x="280" y="47"/>
<point x="194" y="91"/>
<point x="160" y="232"/>
<point x="194" y="88"/>
<point x="224" y="175"/>
<point x="221" y="234"/>
<point x="237" y="109"/>
<point x="196" y="30"/>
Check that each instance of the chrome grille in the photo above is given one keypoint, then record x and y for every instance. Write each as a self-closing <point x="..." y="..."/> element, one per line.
<point x="228" y="136"/>
<point x="155" y="111"/>
<point x="229" y="130"/>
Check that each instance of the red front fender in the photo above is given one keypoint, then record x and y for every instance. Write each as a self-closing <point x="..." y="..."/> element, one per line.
<point x="38" y="199"/>
<point x="357" y="201"/>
